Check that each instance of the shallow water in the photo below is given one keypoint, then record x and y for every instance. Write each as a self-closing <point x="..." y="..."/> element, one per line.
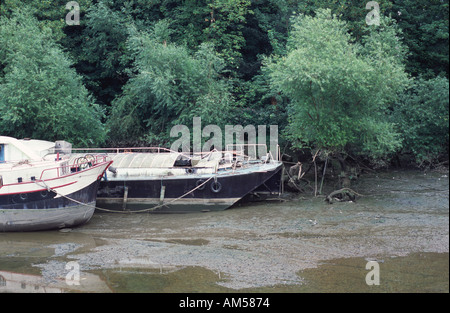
<point x="299" y="245"/>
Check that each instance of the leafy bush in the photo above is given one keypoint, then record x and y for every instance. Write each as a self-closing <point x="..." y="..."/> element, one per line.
<point x="170" y="87"/>
<point x="339" y="90"/>
<point x="422" y="117"/>
<point x="41" y="95"/>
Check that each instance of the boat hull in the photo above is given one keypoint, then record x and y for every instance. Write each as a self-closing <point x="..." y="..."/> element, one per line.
<point x="53" y="212"/>
<point x="172" y="194"/>
<point x="47" y="219"/>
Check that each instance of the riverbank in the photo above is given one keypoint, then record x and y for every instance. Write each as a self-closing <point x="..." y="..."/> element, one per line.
<point x="300" y="245"/>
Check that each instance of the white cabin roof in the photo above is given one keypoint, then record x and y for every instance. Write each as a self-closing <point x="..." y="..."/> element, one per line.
<point x="144" y="160"/>
<point x="24" y="149"/>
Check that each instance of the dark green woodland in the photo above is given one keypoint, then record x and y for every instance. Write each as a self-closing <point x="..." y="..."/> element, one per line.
<point x="133" y="69"/>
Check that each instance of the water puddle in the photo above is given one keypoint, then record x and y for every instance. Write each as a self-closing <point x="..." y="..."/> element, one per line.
<point x="415" y="273"/>
<point x="419" y="272"/>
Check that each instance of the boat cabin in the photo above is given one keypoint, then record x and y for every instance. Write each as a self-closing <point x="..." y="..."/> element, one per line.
<point x="2" y="153"/>
<point x="17" y="150"/>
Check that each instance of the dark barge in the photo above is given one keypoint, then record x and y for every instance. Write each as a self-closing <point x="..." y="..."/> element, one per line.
<point x="171" y="182"/>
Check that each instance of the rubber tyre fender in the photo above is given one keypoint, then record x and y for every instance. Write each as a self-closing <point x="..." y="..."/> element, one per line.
<point x="198" y="183"/>
<point x="216" y="187"/>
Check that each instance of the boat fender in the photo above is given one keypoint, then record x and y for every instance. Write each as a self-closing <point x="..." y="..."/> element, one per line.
<point x="198" y="183"/>
<point x="19" y="198"/>
<point x="112" y="170"/>
<point x="216" y="187"/>
<point x="190" y="170"/>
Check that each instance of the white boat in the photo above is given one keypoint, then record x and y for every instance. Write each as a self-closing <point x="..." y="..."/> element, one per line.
<point x="41" y="190"/>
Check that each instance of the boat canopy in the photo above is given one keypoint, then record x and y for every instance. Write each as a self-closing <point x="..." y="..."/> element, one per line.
<point x="161" y="160"/>
<point x="144" y="160"/>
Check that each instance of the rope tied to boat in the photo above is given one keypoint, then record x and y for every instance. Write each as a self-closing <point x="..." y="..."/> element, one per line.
<point x="49" y="189"/>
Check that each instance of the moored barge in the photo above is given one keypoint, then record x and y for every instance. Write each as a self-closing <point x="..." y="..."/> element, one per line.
<point x="165" y="181"/>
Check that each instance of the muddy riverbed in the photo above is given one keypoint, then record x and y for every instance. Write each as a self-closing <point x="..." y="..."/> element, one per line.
<point x="301" y="244"/>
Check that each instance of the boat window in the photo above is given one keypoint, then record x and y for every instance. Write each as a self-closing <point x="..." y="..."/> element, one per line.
<point x="2" y="153"/>
<point x="1" y="181"/>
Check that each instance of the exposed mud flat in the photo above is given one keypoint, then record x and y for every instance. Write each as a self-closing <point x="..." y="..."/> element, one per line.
<point x="271" y="246"/>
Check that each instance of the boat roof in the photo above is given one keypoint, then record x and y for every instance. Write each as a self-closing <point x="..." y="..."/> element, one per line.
<point x="144" y="160"/>
<point x="26" y="149"/>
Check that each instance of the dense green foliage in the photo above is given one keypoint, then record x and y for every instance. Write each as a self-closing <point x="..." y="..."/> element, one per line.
<point x="41" y="96"/>
<point x="170" y="86"/>
<point x="340" y="89"/>
<point x="133" y="69"/>
<point x="422" y="117"/>
<point x="425" y="28"/>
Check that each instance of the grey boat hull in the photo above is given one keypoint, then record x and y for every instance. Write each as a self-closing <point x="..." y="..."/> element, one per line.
<point x="45" y="219"/>
<point x="52" y="212"/>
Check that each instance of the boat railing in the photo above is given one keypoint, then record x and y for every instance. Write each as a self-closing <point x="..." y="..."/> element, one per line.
<point x="79" y="164"/>
<point x="234" y="156"/>
<point x="237" y="156"/>
<point x="124" y="150"/>
<point x="243" y="151"/>
<point x="252" y="151"/>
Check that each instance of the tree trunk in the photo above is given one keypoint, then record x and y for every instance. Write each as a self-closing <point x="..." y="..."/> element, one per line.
<point x="323" y="176"/>
<point x="344" y="180"/>
<point x="344" y="194"/>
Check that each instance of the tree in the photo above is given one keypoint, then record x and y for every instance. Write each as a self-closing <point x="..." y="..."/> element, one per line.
<point x="41" y="95"/>
<point x="101" y="59"/>
<point x="219" y="22"/>
<point x="51" y="14"/>
<point x="226" y="22"/>
<point x="425" y="28"/>
<point x="170" y="87"/>
<point x="422" y="119"/>
<point x="340" y="90"/>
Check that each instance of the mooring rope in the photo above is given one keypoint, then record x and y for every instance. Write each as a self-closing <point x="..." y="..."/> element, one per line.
<point x="124" y="212"/>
